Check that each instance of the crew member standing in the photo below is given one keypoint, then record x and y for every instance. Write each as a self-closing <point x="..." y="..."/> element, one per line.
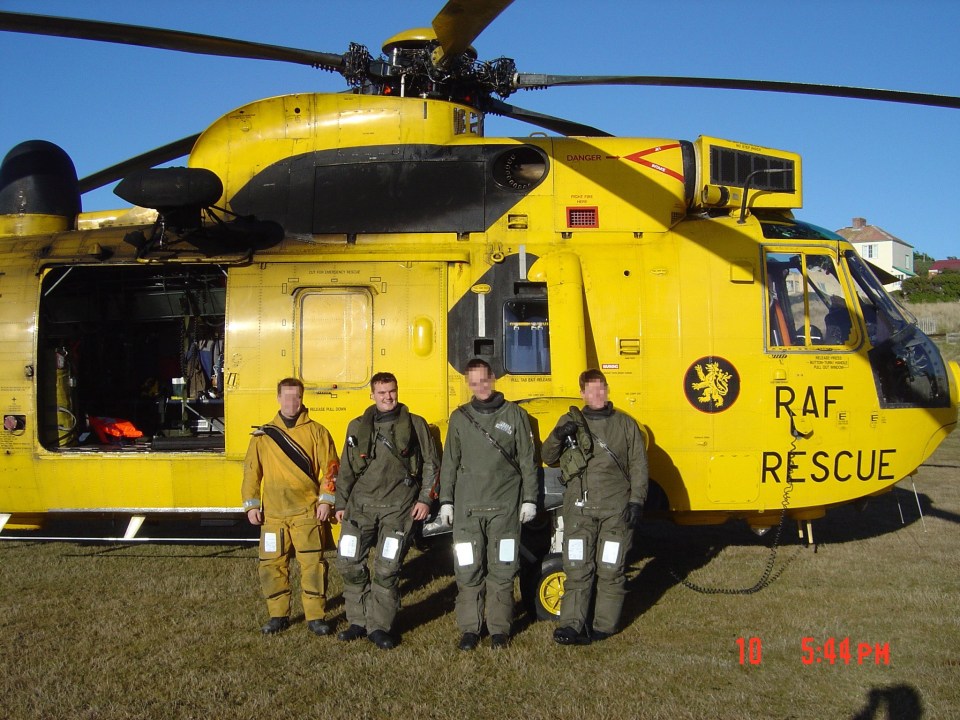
<point x="384" y="485"/>
<point x="603" y="463"/>
<point x="289" y="479"/>
<point x="488" y="487"/>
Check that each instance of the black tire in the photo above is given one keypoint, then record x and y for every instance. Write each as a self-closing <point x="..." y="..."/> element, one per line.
<point x="547" y="590"/>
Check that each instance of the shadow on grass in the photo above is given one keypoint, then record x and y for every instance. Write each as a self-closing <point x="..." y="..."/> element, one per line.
<point x="119" y="552"/>
<point x="893" y="701"/>
<point x="930" y="510"/>
<point x="881" y="515"/>
<point x="431" y="568"/>
<point x="675" y="552"/>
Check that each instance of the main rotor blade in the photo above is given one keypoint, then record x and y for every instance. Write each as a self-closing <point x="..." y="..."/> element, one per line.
<point x="157" y="156"/>
<point x="530" y="81"/>
<point x="461" y="21"/>
<point x="548" y="122"/>
<point x="163" y="39"/>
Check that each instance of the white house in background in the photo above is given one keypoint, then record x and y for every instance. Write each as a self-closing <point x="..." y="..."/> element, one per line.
<point x="882" y="249"/>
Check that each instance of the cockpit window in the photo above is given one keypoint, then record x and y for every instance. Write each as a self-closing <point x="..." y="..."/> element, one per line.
<point x="907" y="367"/>
<point x="782" y="228"/>
<point x="882" y="315"/>
<point x="807" y="304"/>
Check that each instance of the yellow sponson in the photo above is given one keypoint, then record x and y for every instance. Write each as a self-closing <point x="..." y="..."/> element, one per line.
<point x="32" y="224"/>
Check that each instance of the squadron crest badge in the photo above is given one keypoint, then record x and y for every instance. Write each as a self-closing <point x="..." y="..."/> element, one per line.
<point x="711" y="384"/>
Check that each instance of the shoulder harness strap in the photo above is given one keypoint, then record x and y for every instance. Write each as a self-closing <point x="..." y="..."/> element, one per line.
<point x="491" y="439"/>
<point x="579" y="418"/>
<point x="297" y="455"/>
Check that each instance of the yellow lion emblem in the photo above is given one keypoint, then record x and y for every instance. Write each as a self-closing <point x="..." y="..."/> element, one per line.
<point x="714" y="383"/>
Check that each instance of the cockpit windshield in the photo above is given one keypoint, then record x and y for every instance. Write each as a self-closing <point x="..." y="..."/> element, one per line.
<point x="884" y="318"/>
<point x="907" y="367"/>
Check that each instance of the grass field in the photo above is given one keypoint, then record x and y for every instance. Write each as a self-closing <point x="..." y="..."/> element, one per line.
<point x="171" y="631"/>
<point x="944" y="318"/>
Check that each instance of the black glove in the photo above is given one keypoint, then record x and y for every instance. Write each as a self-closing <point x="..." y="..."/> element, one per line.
<point x="568" y="429"/>
<point x="634" y="515"/>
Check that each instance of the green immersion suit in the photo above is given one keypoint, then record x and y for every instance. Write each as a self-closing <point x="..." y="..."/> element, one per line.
<point x="597" y="535"/>
<point x="486" y="490"/>
<point x="391" y="462"/>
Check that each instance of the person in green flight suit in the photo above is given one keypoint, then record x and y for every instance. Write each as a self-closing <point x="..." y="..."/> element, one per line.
<point x="602" y="456"/>
<point x="384" y="485"/>
<point x="488" y="487"/>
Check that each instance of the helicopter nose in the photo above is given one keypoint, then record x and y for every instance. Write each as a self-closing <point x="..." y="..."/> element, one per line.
<point x="955" y="385"/>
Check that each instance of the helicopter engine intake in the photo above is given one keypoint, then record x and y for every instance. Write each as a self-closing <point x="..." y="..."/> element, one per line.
<point x="39" y="191"/>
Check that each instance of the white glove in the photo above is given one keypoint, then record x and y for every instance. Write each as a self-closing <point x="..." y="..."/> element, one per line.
<point x="446" y="515"/>
<point x="528" y="511"/>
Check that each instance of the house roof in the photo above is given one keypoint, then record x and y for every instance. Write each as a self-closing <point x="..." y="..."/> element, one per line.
<point x="941" y="265"/>
<point x="861" y="232"/>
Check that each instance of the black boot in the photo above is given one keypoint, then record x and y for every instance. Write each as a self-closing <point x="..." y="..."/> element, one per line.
<point x="469" y="641"/>
<point x="569" y="636"/>
<point x="499" y="640"/>
<point x="319" y="627"/>
<point x="276" y="625"/>
<point x="382" y="640"/>
<point x="354" y="632"/>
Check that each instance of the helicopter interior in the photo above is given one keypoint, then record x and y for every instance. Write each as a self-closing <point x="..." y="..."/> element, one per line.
<point x="136" y="348"/>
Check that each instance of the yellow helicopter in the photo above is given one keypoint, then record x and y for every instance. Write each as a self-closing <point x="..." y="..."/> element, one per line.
<point x="332" y="235"/>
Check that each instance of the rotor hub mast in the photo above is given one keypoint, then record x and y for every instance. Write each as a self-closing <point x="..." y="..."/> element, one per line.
<point x="414" y="65"/>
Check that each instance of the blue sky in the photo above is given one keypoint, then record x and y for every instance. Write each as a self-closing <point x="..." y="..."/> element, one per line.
<point x="892" y="164"/>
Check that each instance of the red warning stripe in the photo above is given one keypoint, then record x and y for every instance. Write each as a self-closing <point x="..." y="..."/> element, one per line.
<point x="639" y="157"/>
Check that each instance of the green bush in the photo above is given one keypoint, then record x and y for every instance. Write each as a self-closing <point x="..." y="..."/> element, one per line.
<point x="943" y="287"/>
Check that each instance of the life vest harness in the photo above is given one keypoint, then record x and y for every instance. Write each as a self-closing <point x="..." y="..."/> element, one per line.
<point x="506" y="456"/>
<point x="290" y="447"/>
<point x="577" y="451"/>
<point x="573" y="461"/>
<point x="405" y="445"/>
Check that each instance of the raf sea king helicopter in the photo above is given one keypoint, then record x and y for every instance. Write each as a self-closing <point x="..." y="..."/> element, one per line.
<point x="332" y="235"/>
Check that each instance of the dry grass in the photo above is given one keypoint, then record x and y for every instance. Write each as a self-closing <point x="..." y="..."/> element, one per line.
<point x="945" y="315"/>
<point x="945" y="319"/>
<point x="167" y="631"/>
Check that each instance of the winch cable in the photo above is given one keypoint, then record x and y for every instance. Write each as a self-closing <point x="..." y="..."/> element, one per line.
<point x="768" y="576"/>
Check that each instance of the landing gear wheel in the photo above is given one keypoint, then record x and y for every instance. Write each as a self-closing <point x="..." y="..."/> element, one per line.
<point x="549" y="589"/>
